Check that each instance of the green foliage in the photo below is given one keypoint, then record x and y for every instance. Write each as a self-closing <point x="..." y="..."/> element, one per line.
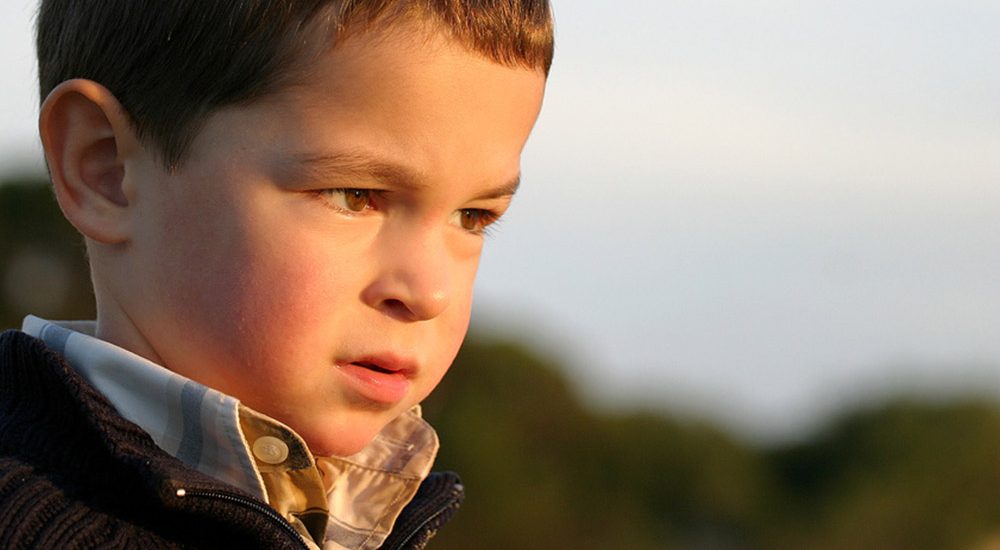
<point x="906" y="475"/>
<point x="42" y="258"/>
<point x="544" y="471"/>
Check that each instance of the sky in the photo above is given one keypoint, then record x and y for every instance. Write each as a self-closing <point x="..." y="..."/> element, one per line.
<point x="755" y="212"/>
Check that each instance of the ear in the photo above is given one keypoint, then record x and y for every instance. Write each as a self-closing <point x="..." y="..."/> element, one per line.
<point x="84" y="132"/>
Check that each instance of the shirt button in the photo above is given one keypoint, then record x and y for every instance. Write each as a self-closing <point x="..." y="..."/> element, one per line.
<point x="270" y="450"/>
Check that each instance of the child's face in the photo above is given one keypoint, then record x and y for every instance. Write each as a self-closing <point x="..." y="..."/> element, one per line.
<point x="332" y="311"/>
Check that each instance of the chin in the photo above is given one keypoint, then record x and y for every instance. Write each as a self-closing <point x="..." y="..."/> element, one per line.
<point x="339" y="442"/>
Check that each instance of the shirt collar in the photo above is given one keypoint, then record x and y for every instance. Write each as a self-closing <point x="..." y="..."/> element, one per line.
<point x="202" y="427"/>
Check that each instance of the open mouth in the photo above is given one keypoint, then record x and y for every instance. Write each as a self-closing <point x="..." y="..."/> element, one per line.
<point x="373" y="367"/>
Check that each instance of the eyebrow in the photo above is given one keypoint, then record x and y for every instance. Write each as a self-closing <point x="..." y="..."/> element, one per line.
<point x="322" y="166"/>
<point x="502" y="192"/>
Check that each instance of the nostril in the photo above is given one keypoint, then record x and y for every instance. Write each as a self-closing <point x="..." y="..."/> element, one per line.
<point x="396" y="308"/>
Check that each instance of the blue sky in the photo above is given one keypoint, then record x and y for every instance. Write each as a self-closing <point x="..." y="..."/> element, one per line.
<point x="754" y="211"/>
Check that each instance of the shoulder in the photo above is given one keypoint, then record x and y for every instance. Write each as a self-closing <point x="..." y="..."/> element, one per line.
<point x="36" y="511"/>
<point x="75" y="474"/>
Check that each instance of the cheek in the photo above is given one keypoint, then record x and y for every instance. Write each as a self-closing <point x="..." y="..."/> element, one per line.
<point x="285" y="299"/>
<point x="262" y="294"/>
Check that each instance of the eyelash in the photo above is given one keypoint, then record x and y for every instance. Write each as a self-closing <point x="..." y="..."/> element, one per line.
<point x="327" y="196"/>
<point x="487" y="219"/>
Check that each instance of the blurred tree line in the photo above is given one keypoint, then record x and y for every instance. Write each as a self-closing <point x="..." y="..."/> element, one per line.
<point x="43" y="269"/>
<point x="545" y="471"/>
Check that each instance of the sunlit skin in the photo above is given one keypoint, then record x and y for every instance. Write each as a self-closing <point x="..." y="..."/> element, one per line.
<point x="339" y="220"/>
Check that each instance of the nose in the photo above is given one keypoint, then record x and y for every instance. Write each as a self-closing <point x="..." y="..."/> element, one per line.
<point x="413" y="276"/>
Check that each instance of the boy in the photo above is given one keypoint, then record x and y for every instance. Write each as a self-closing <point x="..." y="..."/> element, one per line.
<point x="284" y="204"/>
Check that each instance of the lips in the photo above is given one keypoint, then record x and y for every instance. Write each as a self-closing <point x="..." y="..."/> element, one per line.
<point x="389" y="364"/>
<point x="384" y="379"/>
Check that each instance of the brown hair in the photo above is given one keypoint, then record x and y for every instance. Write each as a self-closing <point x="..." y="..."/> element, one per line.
<point x="173" y="63"/>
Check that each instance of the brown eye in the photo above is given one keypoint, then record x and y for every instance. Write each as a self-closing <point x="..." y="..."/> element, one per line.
<point x="348" y="200"/>
<point x="357" y="200"/>
<point x="475" y="220"/>
<point x="470" y="219"/>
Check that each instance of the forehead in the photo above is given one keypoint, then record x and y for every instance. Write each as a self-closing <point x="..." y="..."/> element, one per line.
<point x="402" y="96"/>
<point x="406" y="30"/>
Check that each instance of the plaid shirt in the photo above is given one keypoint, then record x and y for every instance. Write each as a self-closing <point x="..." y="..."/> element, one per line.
<point x="339" y="502"/>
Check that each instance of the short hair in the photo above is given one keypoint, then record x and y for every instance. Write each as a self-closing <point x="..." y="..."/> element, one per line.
<point x="172" y="63"/>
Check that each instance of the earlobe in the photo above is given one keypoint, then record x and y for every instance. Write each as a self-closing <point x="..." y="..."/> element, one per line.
<point x="84" y="130"/>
